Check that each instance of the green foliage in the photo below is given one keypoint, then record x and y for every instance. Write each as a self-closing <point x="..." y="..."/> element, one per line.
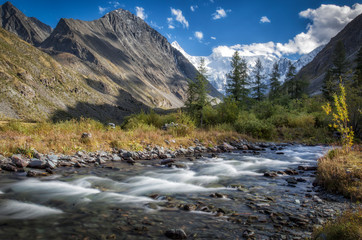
<point x="249" y="124"/>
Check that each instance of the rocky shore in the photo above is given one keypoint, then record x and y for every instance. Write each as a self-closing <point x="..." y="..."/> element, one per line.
<point x="44" y="164"/>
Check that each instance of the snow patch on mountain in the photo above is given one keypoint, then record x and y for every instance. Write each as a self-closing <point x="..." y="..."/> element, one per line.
<point x="218" y="63"/>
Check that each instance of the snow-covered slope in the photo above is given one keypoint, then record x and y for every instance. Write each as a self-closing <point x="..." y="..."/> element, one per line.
<point x="218" y="63"/>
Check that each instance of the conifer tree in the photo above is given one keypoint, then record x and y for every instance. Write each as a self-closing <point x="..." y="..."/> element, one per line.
<point x="274" y="82"/>
<point x="259" y="87"/>
<point x="197" y="94"/>
<point x="358" y="71"/>
<point x="237" y="79"/>
<point x="289" y="83"/>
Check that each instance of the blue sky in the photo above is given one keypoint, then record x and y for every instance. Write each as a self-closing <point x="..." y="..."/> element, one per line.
<point x="200" y="27"/>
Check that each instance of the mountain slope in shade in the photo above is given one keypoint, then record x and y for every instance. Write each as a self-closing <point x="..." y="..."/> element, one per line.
<point x="218" y="64"/>
<point x="29" y="29"/>
<point x="34" y="86"/>
<point x="134" y="56"/>
<point x="351" y="36"/>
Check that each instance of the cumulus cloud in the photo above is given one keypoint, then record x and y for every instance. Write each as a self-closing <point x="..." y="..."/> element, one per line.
<point x="179" y="17"/>
<point x="140" y="12"/>
<point x="326" y="22"/>
<point x="264" y="19"/>
<point x="199" y="35"/>
<point x="194" y="7"/>
<point x="220" y="13"/>
<point x="102" y="9"/>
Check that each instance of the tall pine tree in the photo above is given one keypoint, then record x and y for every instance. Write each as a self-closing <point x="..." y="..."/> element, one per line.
<point x="197" y="94"/>
<point x="274" y="82"/>
<point x="289" y="83"/>
<point x="237" y="80"/>
<point x="259" y="87"/>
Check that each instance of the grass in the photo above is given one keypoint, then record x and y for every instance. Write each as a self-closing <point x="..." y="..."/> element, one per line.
<point x="65" y="137"/>
<point x="340" y="171"/>
<point x="348" y="226"/>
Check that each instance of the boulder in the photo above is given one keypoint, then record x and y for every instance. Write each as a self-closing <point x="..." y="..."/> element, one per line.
<point x="36" y="163"/>
<point x="19" y="161"/>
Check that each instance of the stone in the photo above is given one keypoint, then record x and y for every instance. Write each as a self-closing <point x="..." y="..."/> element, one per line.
<point x="131" y="161"/>
<point x="53" y="158"/>
<point x="248" y="233"/>
<point x="307" y="168"/>
<point x="9" y="167"/>
<point x="317" y="199"/>
<point x="270" y="174"/>
<point x="36" y="163"/>
<point x="301" y="180"/>
<point x="291" y="172"/>
<point x="100" y="160"/>
<point x="189" y="207"/>
<point x="86" y="135"/>
<point x="33" y="173"/>
<point x="167" y="161"/>
<point x="116" y="158"/>
<point x="19" y="161"/>
<point x="217" y="195"/>
<point x="50" y="164"/>
<point x="291" y="180"/>
<point x="176" y="234"/>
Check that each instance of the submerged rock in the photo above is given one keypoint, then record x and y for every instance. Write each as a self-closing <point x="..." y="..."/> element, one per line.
<point x="176" y="234"/>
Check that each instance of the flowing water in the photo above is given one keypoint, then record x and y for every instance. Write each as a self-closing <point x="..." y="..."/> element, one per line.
<point x="135" y="202"/>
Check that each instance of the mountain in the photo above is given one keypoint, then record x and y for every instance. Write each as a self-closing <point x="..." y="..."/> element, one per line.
<point x="218" y="64"/>
<point x="36" y="87"/>
<point x="29" y="29"/>
<point x="351" y="36"/>
<point x="131" y="54"/>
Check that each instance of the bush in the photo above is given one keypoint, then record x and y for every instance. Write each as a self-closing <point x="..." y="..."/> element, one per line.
<point x="250" y="125"/>
<point x="348" y="226"/>
<point x="303" y="120"/>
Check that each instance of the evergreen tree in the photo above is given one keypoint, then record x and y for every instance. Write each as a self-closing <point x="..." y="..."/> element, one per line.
<point x="328" y="86"/>
<point x="339" y="61"/>
<point x="334" y="74"/>
<point x="237" y="79"/>
<point x="358" y="71"/>
<point x="289" y="83"/>
<point x="259" y="87"/>
<point x="274" y="82"/>
<point x="197" y="94"/>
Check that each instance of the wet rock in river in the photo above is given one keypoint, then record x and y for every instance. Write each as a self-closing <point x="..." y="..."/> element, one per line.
<point x="19" y="161"/>
<point x="307" y="168"/>
<point x="301" y="180"/>
<point x="9" y="167"/>
<point x="291" y="180"/>
<point x="218" y="195"/>
<point x="270" y="174"/>
<point x="317" y="199"/>
<point x="34" y="173"/>
<point x="176" y="234"/>
<point x="167" y="161"/>
<point x="248" y="233"/>
<point x="291" y="172"/>
<point x="36" y="163"/>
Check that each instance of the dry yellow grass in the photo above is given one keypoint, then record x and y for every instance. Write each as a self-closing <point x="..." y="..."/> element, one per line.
<point x="65" y="137"/>
<point x="341" y="171"/>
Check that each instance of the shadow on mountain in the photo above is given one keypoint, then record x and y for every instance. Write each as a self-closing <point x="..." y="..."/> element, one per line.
<point x="125" y="106"/>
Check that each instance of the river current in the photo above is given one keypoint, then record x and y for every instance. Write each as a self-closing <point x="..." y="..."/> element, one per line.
<point x="119" y="201"/>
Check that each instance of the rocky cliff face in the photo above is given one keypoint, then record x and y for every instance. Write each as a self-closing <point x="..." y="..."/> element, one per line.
<point x="29" y="29"/>
<point x="131" y="54"/>
<point x="351" y="36"/>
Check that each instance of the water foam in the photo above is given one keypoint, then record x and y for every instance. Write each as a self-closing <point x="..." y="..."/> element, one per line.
<point x="11" y="209"/>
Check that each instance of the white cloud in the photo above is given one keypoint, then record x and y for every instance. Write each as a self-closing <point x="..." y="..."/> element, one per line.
<point x="102" y="9"/>
<point x="115" y="4"/>
<point x="326" y="22"/>
<point x="140" y="12"/>
<point x="213" y="38"/>
<point x="199" y="35"/>
<point x="171" y="26"/>
<point x="194" y="7"/>
<point x="177" y="13"/>
<point x="264" y="19"/>
<point x="155" y="25"/>
<point x="220" y="13"/>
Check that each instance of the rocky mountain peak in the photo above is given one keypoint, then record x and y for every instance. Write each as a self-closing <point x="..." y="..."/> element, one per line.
<point x="29" y="29"/>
